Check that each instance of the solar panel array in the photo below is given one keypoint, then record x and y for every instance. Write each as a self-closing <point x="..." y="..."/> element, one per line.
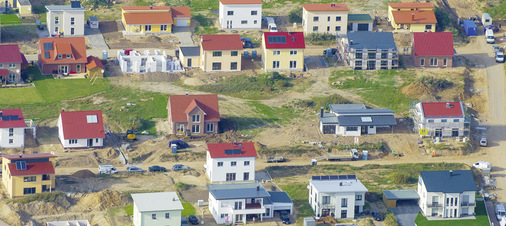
<point x="75" y="4"/>
<point x="46" y="54"/>
<point x="233" y="151"/>
<point x="48" y="46"/>
<point x="277" y="39"/>
<point x="334" y="177"/>
<point x="9" y="117"/>
<point x="21" y="165"/>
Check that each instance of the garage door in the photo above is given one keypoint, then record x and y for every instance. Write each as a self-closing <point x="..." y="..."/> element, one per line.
<point x="363" y="27"/>
<point x="182" y="23"/>
<point x="282" y="207"/>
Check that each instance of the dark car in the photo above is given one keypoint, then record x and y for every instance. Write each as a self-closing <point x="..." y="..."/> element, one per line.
<point x="376" y="215"/>
<point x="184" y="222"/>
<point x="492" y="27"/>
<point x="178" y="167"/>
<point x="157" y="169"/>
<point x="334" y="51"/>
<point x="193" y="219"/>
<point x="180" y="144"/>
<point x="285" y="217"/>
<point x="247" y="43"/>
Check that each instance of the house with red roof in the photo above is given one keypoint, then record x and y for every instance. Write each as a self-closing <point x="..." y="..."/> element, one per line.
<point x="230" y="162"/>
<point x="432" y="49"/>
<point x="325" y="18"/>
<point x="27" y="174"/>
<point x="81" y="129"/>
<point x="283" y="51"/>
<point x="415" y="17"/>
<point x="12" y="128"/>
<point x="62" y="55"/>
<point x="240" y="14"/>
<point x="440" y="119"/>
<point x="11" y="61"/>
<point x="154" y="19"/>
<point x="220" y="52"/>
<point x="195" y="114"/>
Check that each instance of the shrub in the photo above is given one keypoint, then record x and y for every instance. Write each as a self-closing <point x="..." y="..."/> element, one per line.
<point x="320" y="39"/>
<point x="390" y="219"/>
<point x="399" y="177"/>
<point x="295" y="15"/>
<point x="181" y="186"/>
<point x="203" y="21"/>
<point x="436" y="83"/>
<point x="324" y="101"/>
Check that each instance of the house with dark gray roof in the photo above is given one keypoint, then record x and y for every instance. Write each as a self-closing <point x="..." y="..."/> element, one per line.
<point x="241" y="202"/>
<point x="189" y="56"/>
<point x="359" y="22"/>
<point x="447" y="194"/>
<point x="368" y="50"/>
<point x="354" y="119"/>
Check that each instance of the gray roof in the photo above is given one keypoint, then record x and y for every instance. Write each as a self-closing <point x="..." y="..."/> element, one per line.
<point x="359" y="18"/>
<point x="456" y="181"/>
<point x="24" y="2"/>
<point x="330" y="186"/>
<point x="93" y="18"/>
<point x="401" y="194"/>
<point x="69" y="223"/>
<point x="237" y="191"/>
<point x="365" y="111"/>
<point x="377" y="120"/>
<point x="267" y="201"/>
<point x="335" y="107"/>
<point x="190" y="51"/>
<point x="279" y="197"/>
<point x="157" y="201"/>
<point x="328" y="118"/>
<point x="63" y="7"/>
<point x="371" y="40"/>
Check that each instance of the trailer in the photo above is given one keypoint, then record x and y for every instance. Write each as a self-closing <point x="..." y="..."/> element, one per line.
<point x="351" y="156"/>
<point x="276" y="158"/>
<point x="470" y="28"/>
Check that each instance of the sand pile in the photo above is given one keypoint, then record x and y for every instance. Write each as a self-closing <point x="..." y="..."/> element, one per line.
<point x="416" y="89"/>
<point x="83" y="174"/>
<point x="193" y="82"/>
<point x="103" y="200"/>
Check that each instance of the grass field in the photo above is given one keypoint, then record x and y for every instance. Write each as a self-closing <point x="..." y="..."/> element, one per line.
<point x="20" y="95"/>
<point x="481" y="219"/>
<point x="129" y="209"/>
<point x="188" y="209"/>
<point x="9" y="19"/>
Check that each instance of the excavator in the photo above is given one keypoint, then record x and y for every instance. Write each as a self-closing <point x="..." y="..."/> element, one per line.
<point x="130" y="134"/>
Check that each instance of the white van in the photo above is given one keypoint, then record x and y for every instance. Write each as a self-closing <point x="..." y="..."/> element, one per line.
<point x="106" y="169"/>
<point x="489" y="35"/>
<point x="272" y="27"/>
<point x="500" y="212"/>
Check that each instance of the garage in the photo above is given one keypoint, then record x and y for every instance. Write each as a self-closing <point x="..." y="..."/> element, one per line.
<point x="392" y="198"/>
<point x="360" y="22"/>
<point x="363" y="27"/>
<point x="279" y="201"/>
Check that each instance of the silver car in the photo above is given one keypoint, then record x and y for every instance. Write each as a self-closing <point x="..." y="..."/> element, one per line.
<point x="134" y="169"/>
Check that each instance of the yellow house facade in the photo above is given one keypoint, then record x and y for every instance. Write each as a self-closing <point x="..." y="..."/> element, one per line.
<point x="28" y="174"/>
<point x="24" y="7"/>
<point x="147" y="19"/>
<point x="407" y="7"/>
<point x="220" y="52"/>
<point x="283" y="51"/>
<point x="190" y="56"/>
<point x="415" y="17"/>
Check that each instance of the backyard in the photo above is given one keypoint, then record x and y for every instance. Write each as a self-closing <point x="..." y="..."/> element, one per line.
<point x="481" y="219"/>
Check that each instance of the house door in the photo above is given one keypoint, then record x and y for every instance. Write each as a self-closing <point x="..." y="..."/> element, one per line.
<point x="438" y="133"/>
<point x="189" y="62"/>
<point x="329" y="129"/>
<point x="64" y="69"/>
<point x="229" y="24"/>
<point x="364" y="129"/>
<point x="344" y="214"/>
<point x="90" y="142"/>
<point x="325" y="212"/>
<point x="455" y="132"/>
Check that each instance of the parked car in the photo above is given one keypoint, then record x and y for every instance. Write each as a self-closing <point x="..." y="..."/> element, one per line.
<point x="483" y="142"/>
<point x="180" y="144"/>
<point x="184" y="222"/>
<point x="178" y="167"/>
<point x="134" y="169"/>
<point x="285" y="217"/>
<point x="334" y="51"/>
<point x="247" y="43"/>
<point x="495" y="48"/>
<point x="376" y="215"/>
<point x="492" y="27"/>
<point x="193" y="219"/>
<point x="482" y="165"/>
<point x="157" y="169"/>
<point x="499" y="56"/>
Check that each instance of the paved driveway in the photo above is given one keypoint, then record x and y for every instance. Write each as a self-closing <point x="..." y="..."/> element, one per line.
<point x="406" y="212"/>
<point x="95" y="38"/>
<point x="185" y="35"/>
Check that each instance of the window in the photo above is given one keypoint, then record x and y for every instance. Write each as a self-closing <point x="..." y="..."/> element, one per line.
<point x="72" y="20"/>
<point x="167" y="215"/>
<point x="338" y="28"/>
<point x="238" y="206"/>
<point x="210" y="127"/>
<point x="428" y="27"/>
<point x="338" y="18"/>
<point x="315" y="28"/>
<point x="234" y="163"/>
<point x="246" y="163"/>
<point x="351" y="128"/>
<point x="59" y="56"/>
<point x="12" y="65"/>
<point x="371" y="55"/>
<point x="216" y="53"/>
<point x="344" y="202"/>
<point x="293" y="52"/>
<point x="46" y="177"/>
<point x="153" y="216"/>
<point x="230" y="177"/>
<point x="233" y="66"/>
<point x="293" y="64"/>
<point x="444" y="120"/>
<point x="244" y="22"/>
<point x="195" y="129"/>
<point x="27" y="191"/>
<point x="180" y="127"/>
<point x="216" y="66"/>
<point x="224" y="215"/>
<point x="328" y="28"/>
<point x="325" y="200"/>
<point x="275" y="64"/>
<point x="255" y="22"/>
<point x="78" y="68"/>
<point x="195" y="118"/>
<point x="445" y="61"/>
<point x="11" y="141"/>
<point x="68" y="56"/>
<point x="29" y="179"/>
<point x="276" y="52"/>
<point x="233" y="53"/>
<point x="11" y="132"/>
<point x="254" y="12"/>
<point x="422" y="62"/>
<point x="384" y="55"/>
<point x="147" y="27"/>
<point x="358" y="63"/>
<point x="433" y="61"/>
<point x="246" y="176"/>
<point x="328" y="18"/>
<point x="359" y="55"/>
<point x="96" y="140"/>
<point x="431" y="120"/>
<point x="73" y="141"/>
<point x="163" y="27"/>
<point x="56" y="20"/>
<point x="316" y="18"/>
<point x="1" y="66"/>
<point x="456" y="120"/>
<point x="220" y="164"/>
<point x="358" y="197"/>
<point x="230" y="13"/>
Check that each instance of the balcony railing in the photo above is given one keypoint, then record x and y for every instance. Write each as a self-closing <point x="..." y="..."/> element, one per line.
<point x="253" y="206"/>
<point x="435" y="204"/>
<point x="468" y="204"/>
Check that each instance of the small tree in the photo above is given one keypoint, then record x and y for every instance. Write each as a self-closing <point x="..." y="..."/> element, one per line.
<point x="295" y="15"/>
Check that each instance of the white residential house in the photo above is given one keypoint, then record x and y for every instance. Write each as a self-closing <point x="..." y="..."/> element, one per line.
<point x="240" y="202"/>
<point x="240" y="14"/>
<point x="340" y="196"/>
<point x="231" y="162"/>
<point x="131" y="61"/>
<point x="81" y="129"/>
<point x="12" y="128"/>
<point x="328" y="18"/>
<point x="440" y="119"/>
<point x="67" y="20"/>
<point x="447" y="194"/>
<point x="157" y="209"/>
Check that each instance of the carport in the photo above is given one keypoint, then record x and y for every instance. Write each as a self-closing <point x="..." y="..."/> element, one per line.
<point x="391" y="197"/>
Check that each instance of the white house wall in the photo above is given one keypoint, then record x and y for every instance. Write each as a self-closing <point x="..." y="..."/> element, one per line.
<point x="18" y="138"/>
<point x="241" y="12"/>
<point x="157" y="62"/>
<point x="218" y="207"/>
<point x="219" y="174"/>
<point x="64" y="22"/>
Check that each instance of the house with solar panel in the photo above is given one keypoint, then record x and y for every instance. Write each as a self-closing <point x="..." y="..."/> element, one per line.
<point x="67" y="20"/>
<point x="339" y="196"/>
<point x="283" y="51"/>
<point x="27" y="174"/>
<point x="81" y="129"/>
<point x="354" y="119"/>
<point x="62" y="56"/>
<point x="440" y="119"/>
<point x="12" y="128"/>
<point x="229" y="162"/>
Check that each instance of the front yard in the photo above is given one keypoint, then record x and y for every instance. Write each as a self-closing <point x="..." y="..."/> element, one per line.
<point x="481" y="219"/>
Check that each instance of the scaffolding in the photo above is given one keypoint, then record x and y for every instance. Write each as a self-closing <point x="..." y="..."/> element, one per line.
<point x="435" y="128"/>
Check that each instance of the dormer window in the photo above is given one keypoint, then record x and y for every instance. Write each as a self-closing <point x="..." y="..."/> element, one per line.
<point x="91" y="119"/>
<point x="195" y="118"/>
<point x="68" y="56"/>
<point x="59" y="56"/>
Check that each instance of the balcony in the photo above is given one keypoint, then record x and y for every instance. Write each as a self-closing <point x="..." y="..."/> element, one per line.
<point x="468" y="204"/>
<point x="253" y="206"/>
<point x="434" y="204"/>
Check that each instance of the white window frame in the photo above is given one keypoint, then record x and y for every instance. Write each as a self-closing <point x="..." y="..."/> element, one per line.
<point x="12" y="65"/>
<point x="146" y="27"/>
<point x="195" y="118"/>
<point x="210" y="127"/>
<point x="56" y="20"/>
<point x="433" y="61"/>
<point x="78" y="68"/>
<point x="293" y="64"/>
<point x="163" y="27"/>
<point x="275" y="64"/>
<point x="72" y="21"/>
<point x="276" y="52"/>
<point x="195" y="128"/>
<point x="293" y="52"/>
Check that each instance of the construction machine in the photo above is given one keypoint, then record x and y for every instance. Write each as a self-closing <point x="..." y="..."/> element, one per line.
<point x="130" y="134"/>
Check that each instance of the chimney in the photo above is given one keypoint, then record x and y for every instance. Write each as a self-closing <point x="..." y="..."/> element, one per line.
<point x="449" y="105"/>
<point x="235" y="143"/>
<point x="290" y="32"/>
<point x="20" y="156"/>
<point x="62" y="109"/>
<point x="351" y="42"/>
<point x="412" y="16"/>
<point x="186" y="93"/>
<point x="150" y="6"/>
<point x="321" y="112"/>
<point x="340" y="183"/>
<point x="258" y="187"/>
<point x="58" y="35"/>
<point x="451" y="172"/>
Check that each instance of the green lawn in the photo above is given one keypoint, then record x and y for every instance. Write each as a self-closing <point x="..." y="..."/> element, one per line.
<point x="9" y="19"/>
<point x="63" y="89"/>
<point x="20" y="95"/>
<point x="299" y="195"/>
<point x="188" y="209"/>
<point x="129" y="209"/>
<point x="481" y="219"/>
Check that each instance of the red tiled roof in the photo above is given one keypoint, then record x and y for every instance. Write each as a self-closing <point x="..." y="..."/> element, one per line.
<point x="126" y="8"/>
<point x="325" y="7"/>
<point x="411" y="5"/>
<point x="10" y="54"/>
<point x="207" y="102"/>
<point x="12" y="123"/>
<point x="4" y="72"/>
<point x="433" y="43"/>
<point x="182" y="11"/>
<point x="218" y="150"/>
<point x="35" y="168"/>
<point x="29" y="156"/>
<point x="440" y="109"/>
<point x="75" y="125"/>
<point x="295" y="40"/>
<point x="238" y="2"/>
<point x="221" y="42"/>
<point x="421" y="17"/>
<point x="148" y="18"/>
<point x="94" y="62"/>
<point x="192" y="106"/>
<point x="68" y="45"/>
